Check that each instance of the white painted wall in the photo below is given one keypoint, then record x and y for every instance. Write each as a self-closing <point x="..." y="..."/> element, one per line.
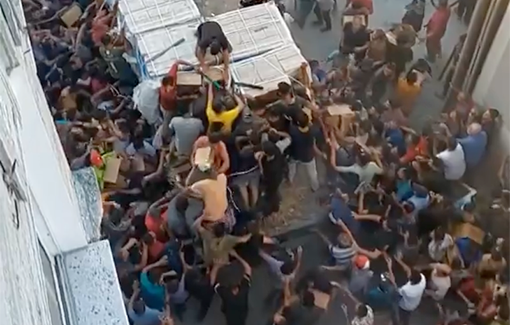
<point x="49" y="219"/>
<point x="493" y="86"/>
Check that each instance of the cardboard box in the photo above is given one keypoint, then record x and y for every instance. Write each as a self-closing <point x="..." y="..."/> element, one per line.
<point x="71" y="15"/>
<point x="189" y="78"/>
<point x="470" y="231"/>
<point x="342" y="110"/>
<point x="349" y="18"/>
<point x="112" y="168"/>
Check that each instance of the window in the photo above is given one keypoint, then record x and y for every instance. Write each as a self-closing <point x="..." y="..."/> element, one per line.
<point x="52" y="290"/>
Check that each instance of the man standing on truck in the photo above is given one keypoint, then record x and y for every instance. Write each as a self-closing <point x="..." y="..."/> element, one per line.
<point x="211" y="40"/>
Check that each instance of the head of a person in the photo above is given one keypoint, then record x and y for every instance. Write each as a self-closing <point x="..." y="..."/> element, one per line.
<point x="138" y="142"/>
<point x="214" y="137"/>
<point x="308" y="299"/>
<point x="218" y="105"/>
<point x="269" y="149"/>
<point x="153" y="276"/>
<point x="496" y="254"/>
<point x="106" y="40"/>
<point x="139" y="307"/>
<point x="362" y="262"/>
<point x="490" y="115"/>
<point x="443" y="4"/>
<point x="287" y="267"/>
<point x="361" y="311"/>
<point x="412" y="78"/>
<point x="219" y="230"/>
<point x="344" y="240"/>
<point x="439" y="234"/>
<point x="403" y="173"/>
<point x="378" y="35"/>
<point x="415" y="277"/>
<point x="284" y="91"/>
<point x="474" y="129"/>
<point x="357" y="22"/>
<point x="168" y="82"/>
<point x="148" y="238"/>
<point x="363" y="159"/>
<point x="172" y="286"/>
<point x="215" y="47"/>
<point x="301" y="119"/>
<point x="408" y="208"/>
<point x="451" y="144"/>
<point x="413" y="140"/>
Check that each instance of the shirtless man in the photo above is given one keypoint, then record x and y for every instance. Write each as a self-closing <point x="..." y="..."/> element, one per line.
<point x="213" y="191"/>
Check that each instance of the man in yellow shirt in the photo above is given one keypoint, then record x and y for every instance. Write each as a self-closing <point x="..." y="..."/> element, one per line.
<point x="216" y="113"/>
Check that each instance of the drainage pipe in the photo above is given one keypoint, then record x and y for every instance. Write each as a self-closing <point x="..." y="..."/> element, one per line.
<point x="468" y="49"/>
<point x="493" y="24"/>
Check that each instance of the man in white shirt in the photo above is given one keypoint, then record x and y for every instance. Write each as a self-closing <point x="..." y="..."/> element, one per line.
<point x="410" y="296"/>
<point x="453" y="160"/>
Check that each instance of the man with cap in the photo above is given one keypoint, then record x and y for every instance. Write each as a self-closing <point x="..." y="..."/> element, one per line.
<point x="360" y="276"/>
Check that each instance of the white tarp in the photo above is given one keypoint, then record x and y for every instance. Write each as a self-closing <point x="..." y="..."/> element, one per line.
<point x="139" y="16"/>
<point x="268" y="69"/>
<point x="153" y="43"/>
<point x="254" y="30"/>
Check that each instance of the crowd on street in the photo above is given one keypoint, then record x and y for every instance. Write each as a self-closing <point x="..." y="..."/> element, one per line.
<point x="193" y="187"/>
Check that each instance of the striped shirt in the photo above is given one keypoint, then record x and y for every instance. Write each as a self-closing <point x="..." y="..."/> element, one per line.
<point x="342" y="255"/>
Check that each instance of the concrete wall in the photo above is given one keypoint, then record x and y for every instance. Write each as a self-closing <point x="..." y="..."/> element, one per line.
<point x="493" y="85"/>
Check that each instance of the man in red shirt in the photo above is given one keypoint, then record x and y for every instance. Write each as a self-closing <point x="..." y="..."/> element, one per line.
<point x="436" y="28"/>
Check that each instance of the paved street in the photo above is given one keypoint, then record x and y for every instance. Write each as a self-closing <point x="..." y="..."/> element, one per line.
<point x="313" y="254"/>
<point x="317" y="45"/>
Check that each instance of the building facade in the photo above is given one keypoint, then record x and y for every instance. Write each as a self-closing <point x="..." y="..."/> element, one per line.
<point x="53" y="269"/>
<point x="493" y="84"/>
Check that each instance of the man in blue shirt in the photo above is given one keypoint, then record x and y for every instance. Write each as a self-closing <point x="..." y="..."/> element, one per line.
<point x="341" y="211"/>
<point x="474" y="144"/>
<point x="139" y="313"/>
<point x="152" y="292"/>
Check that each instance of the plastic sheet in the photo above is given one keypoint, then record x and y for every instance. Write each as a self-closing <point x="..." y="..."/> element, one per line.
<point x="152" y="43"/>
<point x="254" y="30"/>
<point x="140" y="16"/>
<point x="268" y="69"/>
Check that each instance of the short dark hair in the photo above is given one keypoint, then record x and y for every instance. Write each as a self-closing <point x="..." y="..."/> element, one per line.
<point x="219" y="229"/>
<point x="412" y="77"/>
<point x="139" y="307"/>
<point x="415" y="277"/>
<point x="215" y="137"/>
<point x="362" y="310"/>
<point x="451" y="143"/>
<point x="148" y="239"/>
<point x="284" y="88"/>
<point x="308" y="299"/>
<point x="301" y="119"/>
<point x="287" y="267"/>
<point x="269" y="148"/>
<point x="215" y="47"/>
<point x="168" y="81"/>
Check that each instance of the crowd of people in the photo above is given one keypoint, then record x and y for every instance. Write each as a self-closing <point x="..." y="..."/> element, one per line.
<point x="193" y="184"/>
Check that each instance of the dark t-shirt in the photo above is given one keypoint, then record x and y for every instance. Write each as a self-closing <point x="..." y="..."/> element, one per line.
<point x="235" y="306"/>
<point x="208" y="32"/>
<point x="273" y="169"/>
<point x="353" y="38"/>
<point x="302" y="146"/>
